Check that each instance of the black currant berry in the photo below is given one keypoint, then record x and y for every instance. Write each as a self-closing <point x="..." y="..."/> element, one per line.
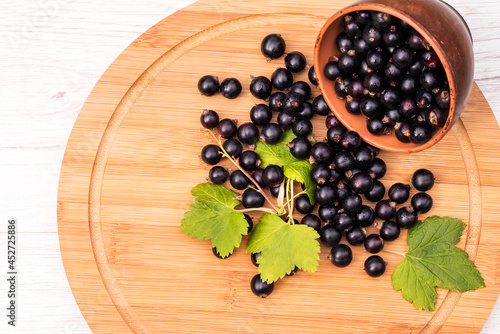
<point x="356" y="89"/>
<point x="302" y="127"/>
<point x="233" y="147"/>
<point x="352" y="203"/>
<point x="258" y="176"/>
<point x="361" y="183"/>
<point x="402" y="131"/>
<point x="361" y="47"/>
<point x="320" y="173"/>
<point x="443" y="99"/>
<point x="340" y="86"/>
<point x="363" y="157"/>
<point x="375" y="82"/>
<point x="376" y="193"/>
<point x="377" y="127"/>
<point x="416" y="41"/>
<point x="351" y="141"/>
<point x="217" y="255"/>
<point x="218" y="175"/>
<point x="327" y="213"/>
<point x="293" y="103"/>
<point x="393" y="73"/>
<point x="366" y="216"/>
<point x="320" y="106"/>
<point x="303" y="205"/>
<point x="355" y="236"/>
<point x="275" y="191"/>
<point x="307" y="111"/>
<point x="209" y="119"/>
<point x="332" y="70"/>
<point x="285" y="120"/>
<point x="406" y="217"/>
<point x="435" y="117"/>
<point x="301" y="88"/>
<point x="239" y="180"/>
<point x="248" y="133"/>
<point x="295" y="62"/>
<point x="342" y="191"/>
<point x="423" y="179"/>
<point x="392" y="116"/>
<point x="373" y="35"/>
<point x="254" y="257"/>
<point x="311" y="75"/>
<point x="344" y="43"/>
<point x="352" y="106"/>
<point x="329" y="235"/>
<point x="273" y="175"/>
<point x="390" y="98"/>
<point x="430" y="79"/>
<point x="348" y="62"/>
<point x="348" y="176"/>
<point x="374" y="243"/>
<point x="343" y="161"/>
<point x="312" y="221"/>
<point x="420" y="133"/>
<point x="325" y="194"/>
<point x="230" y="88"/>
<point x="403" y="57"/>
<point x="351" y="27"/>
<point x="376" y="59"/>
<point x="249" y="160"/>
<point x="370" y="107"/>
<point x="363" y="17"/>
<point x="334" y="135"/>
<point x="273" y="46"/>
<point x="251" y="198"/>
<point x="260" y="288"/>
<point x="377" y="169"/>
<point x="407" y="107"/>
<point x="276" y="101"/>
<point x="409" y="85"/>
<point x="399" y="192"/>
<point x="271" y="133"/>
<point x="430" y="58"/>
<point x="421" y="202"/>
<point x="390" y="230"/>
<point x="300" y="148"/>
<point x="282" y="79"/>
<point x="211" y="154"/>
<point x="261" y="114"/>
<point x="261" y="87"/>
<point x="381" y="19"/>
<point x="385" y="209"/>
<point x="321" y="153"/>
<point x="249" y="222"/>
<point x="393" y="36"/>
<point x="340" y="255"/>
<point x="227" y="128"/>
<point x="416" y="68"/>
<point x="375" y="266"/>
<point x="424" y="99"/>
<point x="208" y="85"/>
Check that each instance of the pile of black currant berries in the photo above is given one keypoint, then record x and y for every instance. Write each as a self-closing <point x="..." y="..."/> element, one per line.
<point x="344" y="167"/>
<point x="388" y="72"/>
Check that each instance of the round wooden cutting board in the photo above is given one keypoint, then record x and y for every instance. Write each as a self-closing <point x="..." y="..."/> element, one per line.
<point x="132" y="160"/>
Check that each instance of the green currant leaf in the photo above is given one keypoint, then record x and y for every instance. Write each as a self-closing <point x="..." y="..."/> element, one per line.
<point x="283" y="247"/>
<point x="212" y="217"/>
<point x="434" y="260"/>
<point x="293" y="168"/>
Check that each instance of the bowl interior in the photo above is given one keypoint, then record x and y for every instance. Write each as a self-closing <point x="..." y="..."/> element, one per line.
<point x="326" y="48"/>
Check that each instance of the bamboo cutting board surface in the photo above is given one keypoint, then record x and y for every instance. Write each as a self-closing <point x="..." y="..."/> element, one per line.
<point x="132" y="159"/>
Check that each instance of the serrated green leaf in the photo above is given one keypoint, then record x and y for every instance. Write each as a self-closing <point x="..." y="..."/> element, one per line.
<point x="283" y="247"/>
<point x="212" y="217"/>
<point x="293" y="168"/>
<point x="434" y="260"/>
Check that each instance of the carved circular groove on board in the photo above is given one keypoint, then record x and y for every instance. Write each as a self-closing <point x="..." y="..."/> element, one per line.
<point x="134" y="92"/>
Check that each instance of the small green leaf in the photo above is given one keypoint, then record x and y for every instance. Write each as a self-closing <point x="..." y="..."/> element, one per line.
<point x="212" y="217"/>
<point x="434" y="260"/>
<point x="293" y="168"/>
<point x="283" y="247"/>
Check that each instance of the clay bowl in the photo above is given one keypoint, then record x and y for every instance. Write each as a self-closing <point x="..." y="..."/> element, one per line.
<point x="446" y="32"/>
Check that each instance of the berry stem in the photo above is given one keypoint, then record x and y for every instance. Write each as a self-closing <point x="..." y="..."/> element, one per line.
<point x="294" y="197"/>
<point x="244" y="172"/>
<point x="256" y="209"/>
<point x="281" y="195"/>
<point x="394" y="252"/>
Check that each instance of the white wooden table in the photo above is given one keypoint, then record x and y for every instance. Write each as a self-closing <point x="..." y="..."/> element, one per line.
<point x="52" y="54"/>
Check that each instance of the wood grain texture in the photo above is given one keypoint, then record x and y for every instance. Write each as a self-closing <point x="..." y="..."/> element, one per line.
<point x="140" y="188"/>
<point x="54" y="52"/>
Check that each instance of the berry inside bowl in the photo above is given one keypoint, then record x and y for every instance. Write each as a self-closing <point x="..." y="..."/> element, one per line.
<point x="398" y="73"/>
